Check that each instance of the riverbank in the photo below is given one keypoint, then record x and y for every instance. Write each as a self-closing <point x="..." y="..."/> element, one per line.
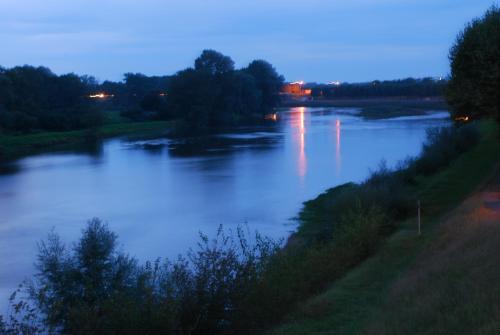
<point x="280" y="280"/>
<point x="15" y="146"/>
<point x="436" y="282"/>
<point x="378" y="108"/>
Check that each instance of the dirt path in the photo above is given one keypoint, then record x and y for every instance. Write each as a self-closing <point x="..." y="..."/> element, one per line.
<point x="454" y="286"/>
<point x="491" y="198"/>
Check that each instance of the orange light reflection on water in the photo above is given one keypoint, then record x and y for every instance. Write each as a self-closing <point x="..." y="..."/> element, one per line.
<point x="302" y="156"/>
<point x="338" y="156"/>
<point x="297" y="121"/>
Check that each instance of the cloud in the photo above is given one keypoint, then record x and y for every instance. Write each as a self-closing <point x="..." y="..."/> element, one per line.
<point x="162" y="36"/>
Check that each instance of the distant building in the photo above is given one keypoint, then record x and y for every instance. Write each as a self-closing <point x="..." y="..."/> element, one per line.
<point x="296" y="89"/>
<point x="101" y="96"/>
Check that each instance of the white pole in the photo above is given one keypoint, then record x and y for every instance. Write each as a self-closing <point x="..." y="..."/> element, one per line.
<point x="418" y="212"/>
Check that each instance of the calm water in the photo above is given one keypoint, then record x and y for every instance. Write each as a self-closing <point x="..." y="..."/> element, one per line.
<point x="157" y="195"/>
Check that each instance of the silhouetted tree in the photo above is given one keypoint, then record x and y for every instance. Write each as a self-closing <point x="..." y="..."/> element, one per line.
<point x="268" y="81"/>
<point x="409" y="87"/>
<point x="214" y="63"/>
<point x="474" y="87"/>
<point x="214" y="94"/>
<point x="35" y="98"/>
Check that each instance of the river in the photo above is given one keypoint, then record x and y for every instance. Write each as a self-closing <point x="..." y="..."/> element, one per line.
<point x="158" y="195"/>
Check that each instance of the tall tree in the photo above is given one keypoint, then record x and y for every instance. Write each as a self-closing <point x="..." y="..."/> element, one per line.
<point x="474" y="87"/>
<point x="268" y="81"/>
<point x="214" y="63"/>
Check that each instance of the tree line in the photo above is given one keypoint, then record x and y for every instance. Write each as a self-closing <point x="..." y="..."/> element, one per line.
<point x="212" y="93"/>
<point x="35" y="98"/>
<point x="409" y="87"/>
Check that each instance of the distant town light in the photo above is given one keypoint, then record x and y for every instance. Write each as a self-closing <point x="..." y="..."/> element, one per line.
<point x="272" y="116"/>
<point x="101" y="96"/>
<point x="462" y="118"/>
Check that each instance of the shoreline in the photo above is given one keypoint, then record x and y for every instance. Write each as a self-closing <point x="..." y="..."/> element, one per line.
<point x="361" y="102"/>
<point x="13" y="147"/>
<point x="442" y="194"/>
<point x="377" y="108"/>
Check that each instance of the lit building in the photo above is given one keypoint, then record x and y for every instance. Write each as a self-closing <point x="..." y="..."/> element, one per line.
<point x="296" y="88"/>
<point x="101" y="96"/>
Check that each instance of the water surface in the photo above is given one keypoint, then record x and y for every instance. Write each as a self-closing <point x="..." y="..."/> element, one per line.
<point x="157" y="195"/>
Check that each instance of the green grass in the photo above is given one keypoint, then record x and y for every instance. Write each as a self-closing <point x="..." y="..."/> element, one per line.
<point x="446" y="189"/>
<point x="354" y="301"/>
<point x="452" y="287"/>
<point x="114" y="116"/>
<point x="13" y="146"/>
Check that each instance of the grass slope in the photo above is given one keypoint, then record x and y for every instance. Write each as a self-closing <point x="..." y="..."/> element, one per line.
<point x="362" y="301"/>
<point x="453" y="287"/>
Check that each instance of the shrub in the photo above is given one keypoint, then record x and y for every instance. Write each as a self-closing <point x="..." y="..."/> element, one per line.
<point x="92" y="288"/>
<point x="445" y="144"/>
<point x="297" y="273"/>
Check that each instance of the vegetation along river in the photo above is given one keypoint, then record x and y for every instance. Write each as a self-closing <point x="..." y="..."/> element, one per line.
<point x="157" y="195"/>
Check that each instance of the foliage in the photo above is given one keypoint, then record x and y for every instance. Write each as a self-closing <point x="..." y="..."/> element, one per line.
<point x="214" y="94"/>
<point x="211" y="94"/>
<point x="213" y="63"/>
<point x="302" y="271"/>
<point x="387" y="189"/>
<point x="92" y="288"/>
<point x="409" y="87"/>
<point x="35" y="98"/>
<point x="268" y="81"/>
<point x="443" y="145"/>
<point x="227" y="285"/>
<point x="475" y="68"/>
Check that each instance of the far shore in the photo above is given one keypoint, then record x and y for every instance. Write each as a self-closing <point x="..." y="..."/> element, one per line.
<point x="16" y="146"/>
<point x="377" y="108"/>
<point x="362" y="102"/>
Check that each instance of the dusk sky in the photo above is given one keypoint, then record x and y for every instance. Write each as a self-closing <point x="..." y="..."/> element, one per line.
<point x="312" y="40"/>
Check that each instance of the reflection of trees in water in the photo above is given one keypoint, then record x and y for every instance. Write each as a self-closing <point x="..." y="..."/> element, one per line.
<point x="9" y="168"/>
<point x="93" y="149"/>
<point x="261" y="138"/>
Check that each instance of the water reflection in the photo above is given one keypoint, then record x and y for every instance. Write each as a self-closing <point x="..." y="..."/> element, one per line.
<point x="297" y="122"/>
<point x="157" y="195"/>
<point x="338" y="157"/>
<point x="258" y="138"/>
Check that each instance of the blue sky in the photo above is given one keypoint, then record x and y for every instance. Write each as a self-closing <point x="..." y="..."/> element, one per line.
<point x="312" y="40"/>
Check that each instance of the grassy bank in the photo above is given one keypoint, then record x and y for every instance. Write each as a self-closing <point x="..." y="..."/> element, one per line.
<point x="404" y="288"/>
<point x="380" y="108"/>
<point x="14" y="146"/>
<point x="355" y="244"/>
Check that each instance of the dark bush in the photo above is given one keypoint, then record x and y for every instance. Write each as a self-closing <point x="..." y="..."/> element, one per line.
<point x="445" y="144"/>
<point x="475" y="68"/>
<point x="17" y="121"/>
<point x="34" y="98"/>
<point x="92" y="288"/>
